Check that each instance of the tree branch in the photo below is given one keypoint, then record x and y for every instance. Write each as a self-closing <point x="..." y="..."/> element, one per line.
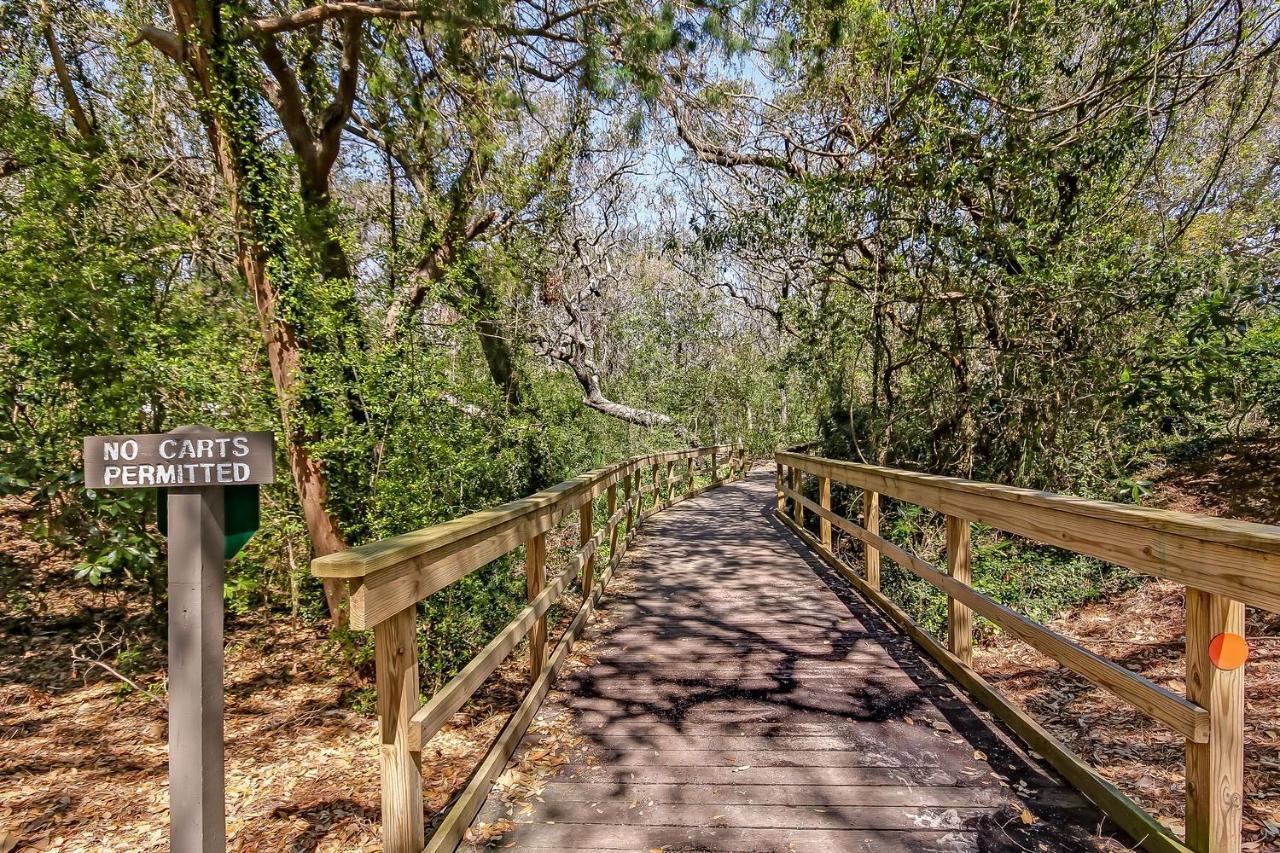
<point x="83" y="126"/>
<point x="162" y="40"/>
<point x="335" y="116"/>
<point x="393" y="9"/>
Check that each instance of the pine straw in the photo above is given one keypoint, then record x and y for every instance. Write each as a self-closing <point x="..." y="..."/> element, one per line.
<point x="85" y="768"/>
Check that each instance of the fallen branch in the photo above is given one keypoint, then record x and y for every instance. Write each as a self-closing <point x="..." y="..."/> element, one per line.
<point x="75" y="658"/>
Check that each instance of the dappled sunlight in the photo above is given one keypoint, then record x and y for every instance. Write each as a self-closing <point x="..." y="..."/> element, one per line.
<point x="744" y="695"/>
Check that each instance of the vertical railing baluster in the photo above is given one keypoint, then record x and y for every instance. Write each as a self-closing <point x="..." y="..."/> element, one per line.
<point x="797" y="508"/>
<point x="535" y="575"/>
<point x="1215" y="770"/>
<point x="824" y="499"/>
<point x="611" y="501"/>
<point x="586" y="514"/>
<point x="871" y="523"/>
<point x="959" y="617"/>
<point x="628" y="481"/>
<point x="395" y="665"/>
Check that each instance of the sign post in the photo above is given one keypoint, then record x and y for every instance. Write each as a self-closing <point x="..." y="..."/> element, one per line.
<point x="198" y="467"/>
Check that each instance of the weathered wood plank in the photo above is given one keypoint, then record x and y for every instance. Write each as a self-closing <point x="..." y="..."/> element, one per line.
<point x="596" y="837"/>
<point x="893" y="793"/>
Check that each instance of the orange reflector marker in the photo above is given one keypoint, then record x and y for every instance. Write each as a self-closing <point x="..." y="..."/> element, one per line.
<point x="1228" y="651"/>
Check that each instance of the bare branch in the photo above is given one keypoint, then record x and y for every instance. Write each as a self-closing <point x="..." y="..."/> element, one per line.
<point x="392" y="9"/>
<point x="162" y="40"/>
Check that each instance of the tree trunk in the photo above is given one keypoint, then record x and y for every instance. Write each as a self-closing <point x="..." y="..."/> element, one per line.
<point x="194" y="51"/>
<point x="500" y="359"/>
<point x="285" y="360"/>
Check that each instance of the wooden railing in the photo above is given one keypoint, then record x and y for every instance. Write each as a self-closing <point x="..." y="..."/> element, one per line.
<point x="387" y="579"/>
<point x="1224" y="565"/>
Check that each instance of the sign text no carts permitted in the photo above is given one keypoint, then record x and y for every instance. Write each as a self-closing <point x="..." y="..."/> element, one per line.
<point x="207" y="477"/>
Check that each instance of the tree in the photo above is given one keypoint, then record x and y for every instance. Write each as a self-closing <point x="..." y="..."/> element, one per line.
<point x="962" y="198"/>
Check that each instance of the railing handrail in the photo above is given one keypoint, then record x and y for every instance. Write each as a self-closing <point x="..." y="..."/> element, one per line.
<point x="437" y="540"/>
<point x="1198" y="550"/>
<point x="1223" y="563"/>
<point x="1230" y="531"/>
<point x="387" y="579"/>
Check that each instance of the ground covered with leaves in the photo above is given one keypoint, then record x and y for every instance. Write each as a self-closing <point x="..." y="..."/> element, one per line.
<point x="84" y="754"/>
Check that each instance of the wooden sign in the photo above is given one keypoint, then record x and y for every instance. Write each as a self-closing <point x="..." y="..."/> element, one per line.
<point x="208" y="482"/>
<point x="178" y="459"/>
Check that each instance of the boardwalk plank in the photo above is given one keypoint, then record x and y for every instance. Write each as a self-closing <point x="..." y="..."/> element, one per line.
<point x="743" y="698"/>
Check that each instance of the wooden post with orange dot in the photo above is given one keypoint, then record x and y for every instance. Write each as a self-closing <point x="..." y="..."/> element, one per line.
<point x="1216" y="652"/>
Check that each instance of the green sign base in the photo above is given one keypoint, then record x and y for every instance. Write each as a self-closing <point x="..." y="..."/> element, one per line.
<point x="241" y="516"/>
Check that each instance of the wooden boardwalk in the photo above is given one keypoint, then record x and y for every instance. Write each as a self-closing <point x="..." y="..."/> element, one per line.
<point x="744" y="698"/>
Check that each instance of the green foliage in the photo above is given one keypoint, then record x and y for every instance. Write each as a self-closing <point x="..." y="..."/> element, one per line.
<point x="952" y="271"/>
<point x="103" y="334"/>
<point x="464" y="616"/>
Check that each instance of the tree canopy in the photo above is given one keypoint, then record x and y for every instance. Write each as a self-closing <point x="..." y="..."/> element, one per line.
<point x="452" y="253"/>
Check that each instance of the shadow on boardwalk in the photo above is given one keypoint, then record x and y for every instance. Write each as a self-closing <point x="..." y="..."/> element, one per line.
<point x="747" y="699"/>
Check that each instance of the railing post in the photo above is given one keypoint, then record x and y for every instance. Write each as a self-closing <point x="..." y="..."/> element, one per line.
<point x="670" y="484"/>
<point x="871" y="523"/>
<point x="657" y="493"/>
<point x="779" y="479"/>
<point x="713" y="465"/>
<point x="395" y="664"/>
<point x="586" y="514"/>
<point x="1215" y="770"/>
<point x="627" y="481"/>
<point x="639" y="495"/>
<point x="535" y="577"/>
<point x="797" y="509"/>
<point x="824" y="498"/>
<point x="959" y="617"/>
<point x="611" y="502"/>
<point x="689" y="475"/>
